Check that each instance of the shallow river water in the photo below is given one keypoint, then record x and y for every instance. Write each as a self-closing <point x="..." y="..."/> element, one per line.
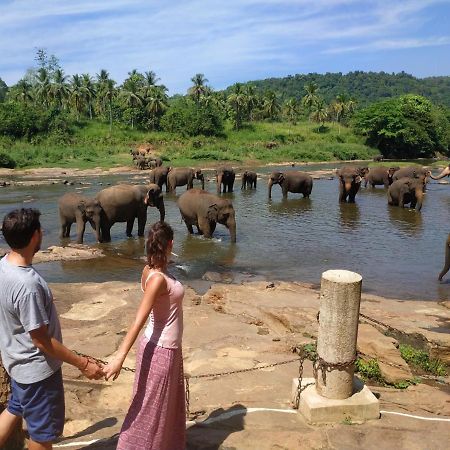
<point x="398" y="252"/>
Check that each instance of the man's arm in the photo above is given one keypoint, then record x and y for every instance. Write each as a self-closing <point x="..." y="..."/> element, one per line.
<point x="52" y="347"/>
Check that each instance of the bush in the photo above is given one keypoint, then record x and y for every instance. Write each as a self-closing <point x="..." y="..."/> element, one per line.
<point x="7" y="161"/>
<point x="189" y="119"/>
<point x="422" y="360"/>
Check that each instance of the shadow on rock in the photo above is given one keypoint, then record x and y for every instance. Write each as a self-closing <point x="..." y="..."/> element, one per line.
<point x="105" y="423"/>
<point x="213" y="431"/>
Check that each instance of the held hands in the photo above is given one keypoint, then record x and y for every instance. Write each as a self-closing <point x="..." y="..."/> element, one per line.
<point x="113" y="368"/>
<point x="92" y="370"/>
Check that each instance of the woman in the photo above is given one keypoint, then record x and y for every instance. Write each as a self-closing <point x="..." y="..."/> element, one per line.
<point x="156" y="418"/>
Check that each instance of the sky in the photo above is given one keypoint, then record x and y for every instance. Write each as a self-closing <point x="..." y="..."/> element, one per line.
<point x="228" y="41"/>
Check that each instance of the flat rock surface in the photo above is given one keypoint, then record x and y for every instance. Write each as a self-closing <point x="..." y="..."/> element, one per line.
<point x="234" y="327"/>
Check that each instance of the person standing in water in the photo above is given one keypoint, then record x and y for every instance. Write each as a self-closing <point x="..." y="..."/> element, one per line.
<point x="156" y="417"/>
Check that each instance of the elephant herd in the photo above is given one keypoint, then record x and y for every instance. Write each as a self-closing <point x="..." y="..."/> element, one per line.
<point x="125" y="203"/>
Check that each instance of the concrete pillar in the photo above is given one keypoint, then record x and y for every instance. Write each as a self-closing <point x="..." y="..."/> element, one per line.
<point x="340" y="296"/>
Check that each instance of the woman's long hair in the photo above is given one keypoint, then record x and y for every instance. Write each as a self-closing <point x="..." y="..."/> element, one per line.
<point x="158" y="238"/>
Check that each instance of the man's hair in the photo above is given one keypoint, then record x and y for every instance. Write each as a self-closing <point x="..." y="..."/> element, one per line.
<point x="158" y="238"/>
<point x="19" y="226"/>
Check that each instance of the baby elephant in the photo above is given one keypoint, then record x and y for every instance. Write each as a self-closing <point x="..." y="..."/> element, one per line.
<point x="249" y="180"/>
<point x="77" y="208"/>
<point x="407" y="190"/>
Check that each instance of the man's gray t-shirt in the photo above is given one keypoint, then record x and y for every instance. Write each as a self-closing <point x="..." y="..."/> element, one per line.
<point x="26" y="304"/>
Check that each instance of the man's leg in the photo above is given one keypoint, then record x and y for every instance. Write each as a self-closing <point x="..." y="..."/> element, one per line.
<point x="8" y="422"/>
<point x="32" y="445"/>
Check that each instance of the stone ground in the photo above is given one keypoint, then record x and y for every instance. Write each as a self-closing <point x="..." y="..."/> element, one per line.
<point x="238" y="326"/>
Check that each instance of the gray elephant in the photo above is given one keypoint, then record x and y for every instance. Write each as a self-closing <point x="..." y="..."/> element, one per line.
<point x="225" y="176"/>
<point x="154" y="161"/>
<point x="447" y="259"/>
<point x="158" y="176"/>
<point x="407" y="191"/>
<point x="125" y="203"/>
<point x="184" y="176"/>
<point x="291" y="181"/>
<point x="444" y="173"/>
<point x="411" y="172"/>
<point x="205" y="210"/>
<point x="249" y="179"/>
<point x="380" y="176"/>
<point x="350" y="178"/>
<point x="75" y="208"/>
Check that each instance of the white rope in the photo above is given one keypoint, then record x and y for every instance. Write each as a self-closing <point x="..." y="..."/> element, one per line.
<point x="241" y="411"/>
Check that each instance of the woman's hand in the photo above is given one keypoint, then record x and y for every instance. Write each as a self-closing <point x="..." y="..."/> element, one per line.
<point x="113" y="368"/>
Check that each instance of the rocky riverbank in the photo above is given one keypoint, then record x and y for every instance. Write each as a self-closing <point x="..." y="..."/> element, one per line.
<point x="249" y="325"/>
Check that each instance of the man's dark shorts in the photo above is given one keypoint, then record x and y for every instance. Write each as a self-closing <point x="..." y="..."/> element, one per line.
<point x="41" y="405"/>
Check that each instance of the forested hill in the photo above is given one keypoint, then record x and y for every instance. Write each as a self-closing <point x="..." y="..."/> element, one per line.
<point x="365" y="87"/>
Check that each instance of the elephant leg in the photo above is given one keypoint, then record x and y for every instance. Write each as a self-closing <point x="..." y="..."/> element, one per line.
<point x="342" y="194"/>
<point x="401" y="200"/>
<point x="106" y="232"/>
<point x="190" y="228"/>
<point x="130" y="224"/>
<point x="142" y="220"/>
<point x="81" y="226"/>
<point x="65" y="230"/>
<point x="447" y="259"/>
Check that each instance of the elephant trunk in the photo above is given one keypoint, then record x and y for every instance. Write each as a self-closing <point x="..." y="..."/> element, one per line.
<point x="419" y="198"/>
<point x="219" y="183"/>
<point x="347" y="186"/>
<point x="231" y="225"/>
<point x="97" y="229"/>
<point x="445" y="173"/>
<point x="270" y="188"/>
<point x="162" y="210"/>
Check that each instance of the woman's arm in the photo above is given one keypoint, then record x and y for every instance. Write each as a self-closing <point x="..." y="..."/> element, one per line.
<point x="155" y="287"/>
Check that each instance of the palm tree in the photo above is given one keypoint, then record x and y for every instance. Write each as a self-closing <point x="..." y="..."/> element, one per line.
<point x="88" y="91"/>
<point x="271" y="105"/>
<point x="320" y="113"/>
<point x="251" y="100"/>
<point x="311" y="97"/>
<point x="101" y="85"/>
<point x="43" y="87"/>
<point x="59" y="88"/>
<point x="199" y="88"/>
<point x="23" y="92"/>
<point x="237" y="102"/>
<point x="156" y="103"/>
<point x="76" y="95"/>
<point x="150" y="78"/>
<point x="131" y="96"/>
<point x="291" y="111"/>
<point x="109" y="93"/>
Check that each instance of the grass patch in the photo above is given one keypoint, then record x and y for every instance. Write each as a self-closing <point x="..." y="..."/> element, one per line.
<point x="369" y="370"/>
<point x="421" y="360"/>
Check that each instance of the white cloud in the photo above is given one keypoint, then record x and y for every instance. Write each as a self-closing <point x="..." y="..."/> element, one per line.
<point x="221" y="39"/>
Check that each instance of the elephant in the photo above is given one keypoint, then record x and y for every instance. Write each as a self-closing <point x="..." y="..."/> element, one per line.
<point x="79" y="209"/>
<point x="154" y="162"/>
<point x="249" y="180"/>
<point x="184" y="176"/>
<point x="123" y="203"/>
<point x="447" y="259"/>
<point x="350" y="178"/>
<point x="378" y="176"/>
<point x="444" y="173"/>
<point x="158" y="176"/>
<point x="225" y="176"/>
<point x="291" y="181"/>
<point x="407" y="190"/>
<point x="205" y="210"/>
<point x="411" y="172"/>
<point x="378" y="158"/>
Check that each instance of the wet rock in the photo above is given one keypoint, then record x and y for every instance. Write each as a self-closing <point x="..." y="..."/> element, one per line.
<point x="216" y="277"/>
<point x="385" y="350"/>
<point x="4" y="183"/>
<point x="270" y="285"/>
<point x="73" y="252"/>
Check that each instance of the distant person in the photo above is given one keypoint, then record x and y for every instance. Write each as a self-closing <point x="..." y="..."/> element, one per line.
<point x="156" y="419"/>
<point x="30" y="339"/>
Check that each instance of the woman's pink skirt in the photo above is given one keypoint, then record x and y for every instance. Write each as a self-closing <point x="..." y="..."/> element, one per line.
<point x="156" y="419"/>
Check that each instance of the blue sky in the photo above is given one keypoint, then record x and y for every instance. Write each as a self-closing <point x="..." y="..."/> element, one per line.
<point x="227" y="40"/>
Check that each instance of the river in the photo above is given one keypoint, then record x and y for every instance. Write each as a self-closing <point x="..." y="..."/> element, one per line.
<point x="399" y="252"/>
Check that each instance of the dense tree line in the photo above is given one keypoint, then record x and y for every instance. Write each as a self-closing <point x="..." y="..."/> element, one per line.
<point x="365" y="87"/>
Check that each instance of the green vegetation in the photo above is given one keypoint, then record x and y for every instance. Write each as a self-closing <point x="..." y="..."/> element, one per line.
<point x="365" y="87"/>
<point x="421" y="360"/>
<point x="405" y="127"/>
<point x="49" y="118"/>
<point x="369" y="370"/>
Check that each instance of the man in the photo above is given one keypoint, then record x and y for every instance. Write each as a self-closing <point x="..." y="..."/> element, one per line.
<point x="30" y="338"/>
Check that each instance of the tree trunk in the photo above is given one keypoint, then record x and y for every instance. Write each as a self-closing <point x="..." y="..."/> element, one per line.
<point x="16" y="440"/>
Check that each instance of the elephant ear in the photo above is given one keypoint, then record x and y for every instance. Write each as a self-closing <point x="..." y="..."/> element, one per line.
<point x="82" y="206"/>
<point x="282" y="177"/>
<point x="358" y="179"/>
<point x="212" y="213"/>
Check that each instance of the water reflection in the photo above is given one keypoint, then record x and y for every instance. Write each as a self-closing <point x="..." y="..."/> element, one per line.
<point x="290" y="206"/>
<point x="408" y="221"/>
<point x="349" y="215"/>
